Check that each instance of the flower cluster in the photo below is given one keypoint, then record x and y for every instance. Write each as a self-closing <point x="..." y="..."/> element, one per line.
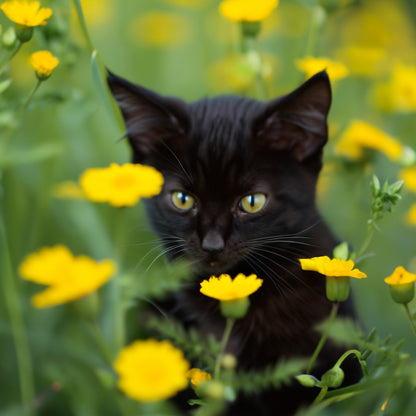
<point x="337" y="272"/>
<point x="232" y="293"/>
<point x="247" y="10"/>
<point x="311" y="66"/>
<point x="43" y="62"/>
<point x="151" y="370"/>
<point x="26" y="13"/>
<point x="360" y="136"/>
<point x="121" y="186"/>
<point x="67" y="277"/>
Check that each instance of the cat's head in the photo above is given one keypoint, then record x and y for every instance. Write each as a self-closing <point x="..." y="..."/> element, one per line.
<point x="239" y="173"/>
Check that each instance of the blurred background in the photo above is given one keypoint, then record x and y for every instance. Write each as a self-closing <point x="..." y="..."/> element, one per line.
<point x="185" y="48"/>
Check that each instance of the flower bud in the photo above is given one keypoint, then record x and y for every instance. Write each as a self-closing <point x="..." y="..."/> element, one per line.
<point x="403" y="293"/>
<point x="236" y="308"/>
<point x="306" y="380"/>
<point x="24" y="33"/>
<point x="337" y="288"/>
<point x="214" y="390"/>
<point x="228" y="362"/>
<point x="250" y="29"/>
<point x="333" y="378"/>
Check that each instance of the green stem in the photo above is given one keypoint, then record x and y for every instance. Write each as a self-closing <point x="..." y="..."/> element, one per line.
<point x="223" y="345"/>
<point x="249" y="48"/>
<point x="366" y="243"/>
<point x="14" y="310"/>
<point x="16" y="49"/>
<point x="359" y="356"/>
<point x="7" y="135"/>
<point x="324" y="336"/>
<point x="409" y="315"/>
<point x="83" y="23"/>
<point x="101" y="342"/>
<point x="321" y="395"/>
<point x="29" y="98"/>
<point x="315" y="25"/>
<point x="117" y="307"/>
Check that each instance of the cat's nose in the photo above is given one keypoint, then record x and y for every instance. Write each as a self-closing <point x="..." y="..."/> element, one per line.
<point x="212" y="241"/>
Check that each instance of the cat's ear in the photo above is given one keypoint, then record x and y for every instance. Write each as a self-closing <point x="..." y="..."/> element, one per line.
<point x="149" y="117"/>
<point x="297" y="122"/>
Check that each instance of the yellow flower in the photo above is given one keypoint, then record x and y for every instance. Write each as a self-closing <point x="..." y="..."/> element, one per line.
<point x="400" y="276"/>
<point x="337" y="272"/>
<point x="225" y="289"/>
<point x="151" y="370"/>
<point x="310" y="66"/>
<point x="360" y="135"/>
<point x="402" y="285"/>
<point x="247" y="10"/>
<point x="26" y="13"/>
<point x="159" y="28"/>
<point x="198" y="376"/>
<point x="399" y="93"/>
<point x="68" y="190"/>
<point x="331" y="267"/>
<point x="363" y="60"/>
<point x="68" y="277"/>
<point x="408" y="176"/>
<point x="121" y="186"/>
<point x="43" y="62"/>
<point x="411" y="216"/>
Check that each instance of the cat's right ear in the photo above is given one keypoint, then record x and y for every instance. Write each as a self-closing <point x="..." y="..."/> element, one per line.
<point x="150" y="118"/>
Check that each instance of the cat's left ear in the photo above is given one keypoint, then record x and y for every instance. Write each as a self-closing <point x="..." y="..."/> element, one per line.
<point x="149" y="117"/>
<point x="297" y="122"/>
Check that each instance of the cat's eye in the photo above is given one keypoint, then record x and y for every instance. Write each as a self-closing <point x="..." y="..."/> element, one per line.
<point x="252" y="203"/>
<point x="182" y="200"/>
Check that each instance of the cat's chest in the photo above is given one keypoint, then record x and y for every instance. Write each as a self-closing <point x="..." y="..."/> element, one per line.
<point x="278" y="324"/>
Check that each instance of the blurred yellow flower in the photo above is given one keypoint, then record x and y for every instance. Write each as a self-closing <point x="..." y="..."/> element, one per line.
<point x="158" y="28"/>
<point x="408" y="176"/>
<point x="402" y="285"/>
<point x="411" y="216"/>
<point x="399" y="93"/>
<point x="363" y="60"/>
<point x="247" y="10"/>
<point x="187" y="3"/>
<point x="43" y="62"/>
<point x="238" y="72"/>
<point x="225" y="289"/>
<point x="68" y="277"/>
<point x="26" y="13"/>
<point x="121" y="186"/>
<point x="400" y="276"/>
<point x="310" y="66"/>
<point x="68" y="190"/>
<point x="331" y="267"/>
<point x="97" y="12"/>
<point x="360" y="136"/>
<point x="150" y="370"/>
<point x="198" y="376"/>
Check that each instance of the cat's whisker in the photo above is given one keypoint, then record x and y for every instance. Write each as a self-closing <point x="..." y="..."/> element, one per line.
<point x="258" y="264"/>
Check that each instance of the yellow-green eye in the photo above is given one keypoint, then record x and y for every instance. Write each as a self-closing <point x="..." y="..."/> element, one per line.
<point x="182" y="200"/>
<point x="252" y="203"/>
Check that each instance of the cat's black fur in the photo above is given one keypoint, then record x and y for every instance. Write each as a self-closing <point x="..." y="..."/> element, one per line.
<point x="219" y="150"/>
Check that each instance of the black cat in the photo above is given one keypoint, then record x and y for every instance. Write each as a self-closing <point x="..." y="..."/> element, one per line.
<point x="239" y="197"/>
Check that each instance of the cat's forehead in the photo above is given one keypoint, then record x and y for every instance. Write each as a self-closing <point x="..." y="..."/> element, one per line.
<point x="221" y="128"/>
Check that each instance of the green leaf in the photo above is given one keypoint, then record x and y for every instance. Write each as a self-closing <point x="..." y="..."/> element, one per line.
<point x="257" y="380"/>
<point x="40" y="153"/>
<point x="99" y="76"/>
<point x="4" y="85"/>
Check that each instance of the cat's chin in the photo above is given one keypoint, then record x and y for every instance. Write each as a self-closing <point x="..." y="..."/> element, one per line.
<point x="213" y="268"/>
